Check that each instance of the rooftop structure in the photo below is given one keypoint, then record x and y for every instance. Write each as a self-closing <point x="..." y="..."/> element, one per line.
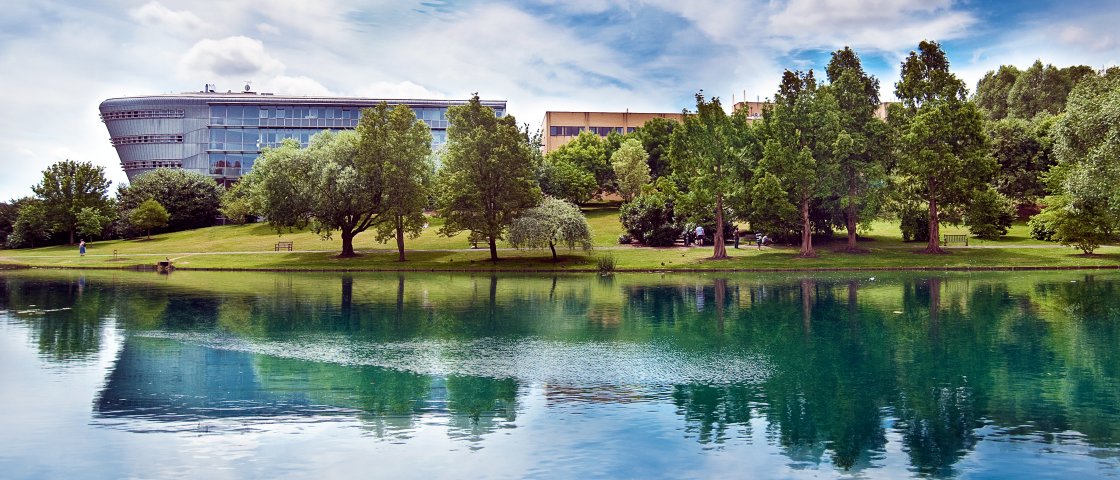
<point x="221" y="134"/>
<point x="561" y="127"/>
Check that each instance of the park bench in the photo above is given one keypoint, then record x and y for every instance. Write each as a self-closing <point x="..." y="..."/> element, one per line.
<point x="283" y="246"/>
<point x="956" y="238"/>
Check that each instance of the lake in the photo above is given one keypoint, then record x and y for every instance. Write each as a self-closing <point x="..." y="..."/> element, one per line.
<point x="701" y="375"/>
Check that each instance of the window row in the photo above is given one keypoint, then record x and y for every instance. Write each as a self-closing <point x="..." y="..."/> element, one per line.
<point x="153" y="164"/>
<point x="134" y="139"/>
<point x="254" y="139"/>
<point x="563" y="131"/>
<point x="142" y="114"/>
<point x="231" y="164"/>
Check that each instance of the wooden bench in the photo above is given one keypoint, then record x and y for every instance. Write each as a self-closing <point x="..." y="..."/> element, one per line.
<point x="956" y="238"/>
<point x="283" y="246"/>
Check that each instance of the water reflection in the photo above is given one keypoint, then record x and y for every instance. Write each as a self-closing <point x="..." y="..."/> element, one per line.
<point x="830" y="370"/>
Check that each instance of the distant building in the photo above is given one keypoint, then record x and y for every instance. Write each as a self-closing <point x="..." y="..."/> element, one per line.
<point x="221" y="134"/>
<point x="561" y="127"/>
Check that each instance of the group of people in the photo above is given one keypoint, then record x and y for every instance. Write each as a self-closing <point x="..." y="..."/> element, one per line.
<point x="697" y="236"/>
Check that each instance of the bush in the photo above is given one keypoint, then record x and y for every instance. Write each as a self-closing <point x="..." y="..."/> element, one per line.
<point x="914" y="223"/>
<point x="1040" y="228"/>
<point x="990" y="214"/>
<point x="191" y="198"/>
<point x="649" y="218"/>
<point x="606" y="263"/>
<point x="625" y="239"/>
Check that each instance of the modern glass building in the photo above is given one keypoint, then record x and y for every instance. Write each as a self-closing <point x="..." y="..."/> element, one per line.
<point x="221" y="134"/>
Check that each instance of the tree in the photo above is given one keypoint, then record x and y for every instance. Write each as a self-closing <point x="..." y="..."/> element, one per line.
<point x="1022" y="150"/>
<point x="552" y="222"/>
<point x="861" y="148"/>
<point x="237" y="202"/>
<point x="655" y="135"/>
<point x="1037" y="90"/>
<point x="989" y="214"/>
<point x="630" y="168"/>
<point x="148" y="215"/>
<point x="561" y="179"/>
<point x="799" y="134"/>
<point x="487" y="178"/>
<point x="941" y="143"/>
<point x="399" y="147"/>
<point x="590" y="152"/>
<point x="1085" y="223"/>
<point x="91" y="222"/>
<point x="191" y="198"/>
<point x="325" y="186"/>
<point x="9" y="211"/>
<point x="33" y="223"/>
<point x="651" y="218"/>
<point x="705" y="152"/>
<point x="991" y="91"/>
<point x="68" y="187"/>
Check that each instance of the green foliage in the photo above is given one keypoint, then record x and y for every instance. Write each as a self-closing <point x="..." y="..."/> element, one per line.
<point x="992" y="90"/>
<point x="862" y="147"/>
<point x="553" y="222"/>
<point x="989" y="214"/>
<point x="148" y="215"/>
<point x="1022" y="150"/>
<point x="1040" y="228"/>
<point x="487" y="179"/>
<point x="561" y="179"/>
<point x="33" y="224"/>
<point x="237" y="202"/>
<point x="605" y="262"/>
<point x="1037" y="90"/>
<point x="591" y="153"/>
<point x="914" y="224"/>
<point x="942" y="149"/>
<point x="1085" y="225"/>
<point x="801" y="135"/>
<point x="398" y="147"/>
<point x="631" y="168"/>
<point x="190" y="197"/>
<point x="68" y="187"/>
<point x="9" y="211"/>
<point x="655" y="135"/>
<point x="770" y="209"/>
<point x="650" y="219"/>
<point x="706" y="152"/>
<point x="92" y="223"/>
<point x="1087" y="143"/>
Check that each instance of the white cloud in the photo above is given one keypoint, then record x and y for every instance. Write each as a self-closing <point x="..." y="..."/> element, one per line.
<point x="155" y="14"/>
<point x="885" y="25"/>
<point x="268" y="29"/>
<point x="405" y="89"/>
<point x="236" y="58"/>
<point x="285" y="85"/>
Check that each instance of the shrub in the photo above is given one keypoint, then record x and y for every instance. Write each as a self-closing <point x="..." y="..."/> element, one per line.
<point x="625" y="239"/>
<point x="649" y="218"/>
<point x="990" y="214"/>
<point x="914" y="223"/>
<point x="606" y="263"/>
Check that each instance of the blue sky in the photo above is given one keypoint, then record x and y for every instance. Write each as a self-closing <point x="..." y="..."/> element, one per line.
<point x="60" y="59"/>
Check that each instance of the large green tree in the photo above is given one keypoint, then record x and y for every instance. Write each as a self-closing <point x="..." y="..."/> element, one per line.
<point x="630" y="168"/>
<point x="191" y="198"/>
<point x="398" y="147"/>
<point x="148" y="215"/>
<point x="1038" y="89"/>
<point x="707" y="155"/>
<point x="552" y="222"/>
<point x="991" y="91"/>
<point x="488" y="177"/>
<point x="69" y="186"/>
<point x="591" y="153"/>
<point x="655" y="135"/>
<point x="941" y="147"/>
<point x="862" y="144"/>
<point x="1022" y="149"/>
<point x="799" y="135"/>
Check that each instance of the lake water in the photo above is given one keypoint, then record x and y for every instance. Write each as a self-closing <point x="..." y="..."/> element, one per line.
<point x="295" y="375"/>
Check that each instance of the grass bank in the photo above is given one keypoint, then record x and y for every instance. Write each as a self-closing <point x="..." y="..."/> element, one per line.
<point x="251" y="247"/>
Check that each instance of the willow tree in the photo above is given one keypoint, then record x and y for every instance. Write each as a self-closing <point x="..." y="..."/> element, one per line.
<point x="398" y="146"/>
<point x="704" y="152"/>
<point x="942" y="148"/>
<point x="488" y="176"/>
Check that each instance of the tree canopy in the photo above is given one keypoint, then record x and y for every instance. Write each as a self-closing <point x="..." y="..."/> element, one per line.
<point x="69" y="186"/>
<point x="553" y="222"/>
<point x="191" y="198"/>
<point x="488" y="177"/>
<point x="148" y="215"/>
<point x="631" y="168"/>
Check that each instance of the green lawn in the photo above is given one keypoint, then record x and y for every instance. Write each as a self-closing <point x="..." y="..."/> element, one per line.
<point x="251" y="247"/>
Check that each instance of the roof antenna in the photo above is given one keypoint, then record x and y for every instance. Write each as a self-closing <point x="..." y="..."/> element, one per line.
<point x="248" y="84"/>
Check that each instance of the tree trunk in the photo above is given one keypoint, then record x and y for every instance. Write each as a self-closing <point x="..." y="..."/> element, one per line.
<point x="493" y="249"/>
<point x="851" y="219"/>
<point x="719" y="250"/>
<point x="808" y="288"/>
<point x="400" y="238"/>
<point x="553" y="247"/>
<point x="933" y="246"/>
<point x="806" y="232"/>
<point x="72" y="236"/>
<point x="347" y="244"/>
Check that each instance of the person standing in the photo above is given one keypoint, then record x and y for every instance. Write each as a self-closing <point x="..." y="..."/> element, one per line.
<point x="735" y="234"/>
<point x="82" y="248"/>
<point x="700" y="235"/>
<point x="758" y="239"/>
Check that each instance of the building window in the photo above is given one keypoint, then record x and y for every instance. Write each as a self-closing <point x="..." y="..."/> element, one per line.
<point x="133" y="114"/>
<point x="135" y="139"/>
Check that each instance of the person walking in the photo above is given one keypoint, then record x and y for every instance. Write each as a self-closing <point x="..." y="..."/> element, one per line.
<point x="82" y="248"/>
<point x="700" y="235"/>
<point x="758" y="239"/>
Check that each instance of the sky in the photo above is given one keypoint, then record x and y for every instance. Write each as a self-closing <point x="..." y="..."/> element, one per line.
<point x="60" y="59"/>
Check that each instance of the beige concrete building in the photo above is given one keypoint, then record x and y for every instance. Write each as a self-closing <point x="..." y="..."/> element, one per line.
<point x="562" y="127"/>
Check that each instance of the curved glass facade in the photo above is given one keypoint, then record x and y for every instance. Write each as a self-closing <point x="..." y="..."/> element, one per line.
<point x="221" y="134"/>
